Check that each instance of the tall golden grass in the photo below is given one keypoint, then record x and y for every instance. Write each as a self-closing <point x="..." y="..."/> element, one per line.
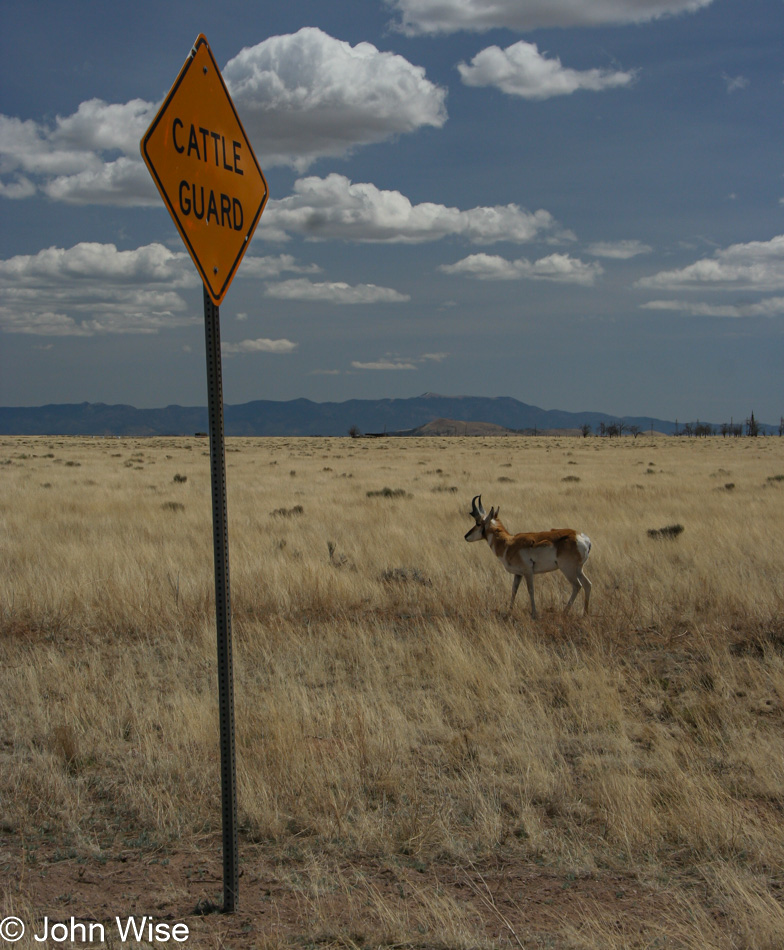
<point x="387" y="704"/>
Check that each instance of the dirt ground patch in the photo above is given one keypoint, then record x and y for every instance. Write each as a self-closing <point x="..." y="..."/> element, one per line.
<point x="313" y="902"/>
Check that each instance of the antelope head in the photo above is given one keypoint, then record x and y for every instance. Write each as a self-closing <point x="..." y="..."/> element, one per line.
<point x="481" y="518"/>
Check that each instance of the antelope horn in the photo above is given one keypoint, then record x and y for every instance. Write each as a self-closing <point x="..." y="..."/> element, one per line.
<point x="477" y="510"/>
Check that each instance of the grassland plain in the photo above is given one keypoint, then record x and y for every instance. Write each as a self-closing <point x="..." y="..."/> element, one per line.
<point x="416" y="767"/>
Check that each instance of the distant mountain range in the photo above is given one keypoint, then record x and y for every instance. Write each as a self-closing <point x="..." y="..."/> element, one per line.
<point x="298" y="417"/>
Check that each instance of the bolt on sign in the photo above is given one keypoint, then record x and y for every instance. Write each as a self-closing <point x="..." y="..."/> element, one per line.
<point x="205" y="170"/>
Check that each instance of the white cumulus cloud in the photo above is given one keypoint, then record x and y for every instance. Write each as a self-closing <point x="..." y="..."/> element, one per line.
<point x="559" y="268"/>
<point x="301" y="97"/>
<point x="124" y="182"/>
<point x="448" y="16"/>
<point x="335" y="207"/>
<point x="75" y="159"/>
<point x="258" y="346"/>
<point x="383" y="364"/>
<point x="30" y="148"/>
<point x="265" y="267"/>
<point x="618" y="250"/>
<point x="98" y="126"/>
<point x="334" y="292"/>
<point x="521" y="70"/>
<point x="94" y="288"/>
<point x="394" y="362"/>
<point x="770" y="307"/>
<point x="95" y="262"/>
<point x="18" y="187"/>
<point x="307" y="95"/>
<point x="757" y="265"/>
<point x="735" y="83"/>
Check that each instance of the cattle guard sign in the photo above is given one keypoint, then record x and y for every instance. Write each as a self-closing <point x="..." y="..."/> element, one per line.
<point x="204" y="167"/>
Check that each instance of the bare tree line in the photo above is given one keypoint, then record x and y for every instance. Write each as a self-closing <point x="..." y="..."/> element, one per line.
<point x="750" y="427"/>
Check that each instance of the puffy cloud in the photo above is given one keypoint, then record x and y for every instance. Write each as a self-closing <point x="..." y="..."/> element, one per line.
<point x="31" y="148"/>
<point x="448" y="16"/>
<point x="92" y="261"/>
<point x="758" y="265"/>
<point x="94" y="288"/>
<point x="383" y="365"/>
<point x="618" y="250"/>
<point x="734" y="83"/>
<point x="559" y="268"/>
<point x="394" y="362"/>
<point x="98" y="126"/>
<point x="19" y="187"/>
<point x="66" y="162"/>
<point x="307" y="95"/>
<point x="521" y="70"/>
<point x="335" y="207"/>
<point x="124" y="182"/>
<point x="771" y="307"/>
<point x="258" y="346"/>
<point x="484" y="267"/>
<point x="64" y="312"/>
<point x="40" y="322"/>
<point x="334" y="292"/>
<point x="266" y="267"/>
<point x="301" y="97"/>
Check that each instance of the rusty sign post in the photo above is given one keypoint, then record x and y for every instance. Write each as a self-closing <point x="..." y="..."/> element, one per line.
<point x="204" y="167"/>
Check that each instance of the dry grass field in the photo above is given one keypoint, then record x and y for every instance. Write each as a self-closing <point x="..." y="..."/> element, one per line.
<point x="416" y="767"/>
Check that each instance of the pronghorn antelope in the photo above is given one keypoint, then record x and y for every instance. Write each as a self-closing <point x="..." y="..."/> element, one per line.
<point x="561" y="549"/>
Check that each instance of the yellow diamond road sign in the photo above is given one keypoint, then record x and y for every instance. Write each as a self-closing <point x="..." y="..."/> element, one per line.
<point x="204" y="167"/>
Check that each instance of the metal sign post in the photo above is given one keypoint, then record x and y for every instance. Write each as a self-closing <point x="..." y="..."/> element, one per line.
<point x="220" y="535"/>
<point x="203" y="165"/>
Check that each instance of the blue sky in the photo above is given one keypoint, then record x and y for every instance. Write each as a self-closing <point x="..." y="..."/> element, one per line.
<point x="577" y="204"/>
